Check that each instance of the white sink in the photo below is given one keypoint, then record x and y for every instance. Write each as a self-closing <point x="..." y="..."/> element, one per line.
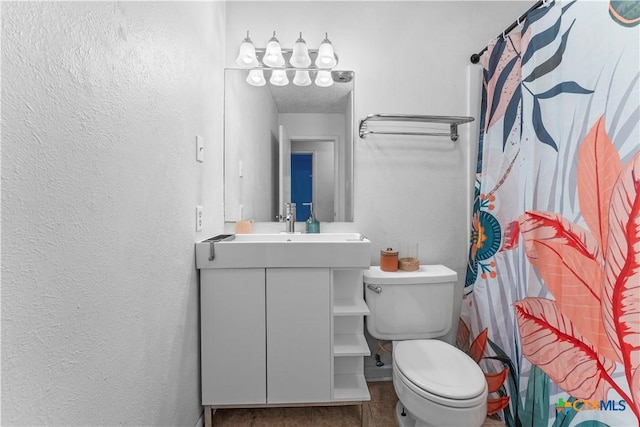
<point x="286" y="250"/>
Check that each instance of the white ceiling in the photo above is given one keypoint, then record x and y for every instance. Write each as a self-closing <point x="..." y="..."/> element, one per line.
<point x="312" y="98"/>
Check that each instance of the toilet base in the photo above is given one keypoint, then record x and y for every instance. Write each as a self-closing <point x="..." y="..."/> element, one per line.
<point x="405" y="420"/>
<point x="408" y="420"/>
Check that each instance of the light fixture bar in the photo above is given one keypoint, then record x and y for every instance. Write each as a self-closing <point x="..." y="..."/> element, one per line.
<point x="281" y="60"/>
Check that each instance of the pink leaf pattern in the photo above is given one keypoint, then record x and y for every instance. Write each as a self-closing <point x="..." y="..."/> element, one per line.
<point x="551" y="342"/>
<point x="598" y="169"/>
<point x="635" y="390"/>
<point x="477" y="347"/>
<point x="511" y="236"/>
<point x="591" y="278"/>
<point x="568" y="259"/>
<point x="510" y="84"/>
<point x="621" y="304"/>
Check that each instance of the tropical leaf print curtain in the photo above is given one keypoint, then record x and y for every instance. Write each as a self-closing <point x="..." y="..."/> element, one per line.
<point x="552" y="295"/>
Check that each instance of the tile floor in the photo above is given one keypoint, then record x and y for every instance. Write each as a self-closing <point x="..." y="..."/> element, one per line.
<point x="379" y="412"/>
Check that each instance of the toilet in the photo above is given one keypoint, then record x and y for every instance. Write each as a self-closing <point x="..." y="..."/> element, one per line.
<point x="437" y="384"/>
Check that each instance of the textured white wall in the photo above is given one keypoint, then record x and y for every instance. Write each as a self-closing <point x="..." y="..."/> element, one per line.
<point x="101" y="102"/>
<point x="408" y="57"/>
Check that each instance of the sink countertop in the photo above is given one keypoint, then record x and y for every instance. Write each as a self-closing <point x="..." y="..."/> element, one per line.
<point x="287" y="250"/>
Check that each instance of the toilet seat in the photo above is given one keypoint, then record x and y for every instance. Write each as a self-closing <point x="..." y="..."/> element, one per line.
<point x="440" y="401"/>
<point x="439" y="372"/>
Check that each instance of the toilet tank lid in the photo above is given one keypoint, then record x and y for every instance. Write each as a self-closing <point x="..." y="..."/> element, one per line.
<point x="425" y="274"/>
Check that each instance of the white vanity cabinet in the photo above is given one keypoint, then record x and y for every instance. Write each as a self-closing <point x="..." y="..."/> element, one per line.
<point x="282" y="336"/>
<point x="276" y="335"/>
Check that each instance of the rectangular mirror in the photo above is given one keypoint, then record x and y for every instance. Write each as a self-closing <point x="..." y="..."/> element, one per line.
<point x="288" y="144"/>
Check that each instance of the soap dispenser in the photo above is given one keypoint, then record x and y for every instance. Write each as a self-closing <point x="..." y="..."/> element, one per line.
<point x="312" y="226"/>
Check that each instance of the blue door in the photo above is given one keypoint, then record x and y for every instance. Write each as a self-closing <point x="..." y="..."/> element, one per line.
<point x="302" y="183"/>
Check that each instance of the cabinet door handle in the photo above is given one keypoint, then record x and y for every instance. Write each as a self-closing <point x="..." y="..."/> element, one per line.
<point x="376" y="289"/>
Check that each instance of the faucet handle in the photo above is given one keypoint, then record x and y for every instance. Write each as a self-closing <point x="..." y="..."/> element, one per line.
<point x="290" y="216"/>
<point x="289" y="208"/>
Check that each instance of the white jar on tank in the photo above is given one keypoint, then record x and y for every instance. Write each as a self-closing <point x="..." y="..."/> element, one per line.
<point x="437" y="384"/>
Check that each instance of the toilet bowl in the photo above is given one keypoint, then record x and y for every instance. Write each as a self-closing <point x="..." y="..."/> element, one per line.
<point x="437" y="384"/>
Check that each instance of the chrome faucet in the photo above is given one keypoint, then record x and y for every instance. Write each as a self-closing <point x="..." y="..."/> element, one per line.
<point x="290" y="217"/>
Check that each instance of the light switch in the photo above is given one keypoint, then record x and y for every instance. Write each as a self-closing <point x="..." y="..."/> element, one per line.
<point x="199" y="148"/>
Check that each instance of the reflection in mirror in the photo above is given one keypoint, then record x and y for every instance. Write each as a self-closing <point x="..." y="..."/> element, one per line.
<point x="288" y="144"/>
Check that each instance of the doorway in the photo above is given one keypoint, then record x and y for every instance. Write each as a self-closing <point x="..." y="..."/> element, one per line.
<point x="302" y="183"/>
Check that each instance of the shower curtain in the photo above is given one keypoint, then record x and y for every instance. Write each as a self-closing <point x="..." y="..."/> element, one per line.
<point x="552" y="294"/>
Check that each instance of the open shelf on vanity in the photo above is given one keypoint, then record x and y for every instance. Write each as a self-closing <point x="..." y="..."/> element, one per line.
<point x="348" y="341"/>
<point x="350" y="307"/>
<point x="350" y="345"/>
<point x="350" y="387"/>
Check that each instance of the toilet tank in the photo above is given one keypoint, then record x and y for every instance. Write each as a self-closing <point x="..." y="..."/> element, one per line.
<point x="409" y="304"/>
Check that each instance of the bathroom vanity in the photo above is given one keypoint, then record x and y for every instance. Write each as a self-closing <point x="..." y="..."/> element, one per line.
<point x="282" y="320"/>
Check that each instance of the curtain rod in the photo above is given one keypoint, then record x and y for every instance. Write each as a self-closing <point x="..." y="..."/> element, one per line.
<point x="475" y="58"/>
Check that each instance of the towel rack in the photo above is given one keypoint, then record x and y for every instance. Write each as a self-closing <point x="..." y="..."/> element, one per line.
<point x="452" y="121"/>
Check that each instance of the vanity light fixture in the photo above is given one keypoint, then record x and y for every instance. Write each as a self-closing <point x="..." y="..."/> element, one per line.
<point x="273" y="55"/>
<point x="300" y="56"/>
<point x="302" y="78"/>
<point x="324" y="79"/>
<point x="279" y="78"/>
<point x="299" y="59"/>
<point x="256" y="77"/>
<point x="326" y="56"/>
<point x="247" y="55"/>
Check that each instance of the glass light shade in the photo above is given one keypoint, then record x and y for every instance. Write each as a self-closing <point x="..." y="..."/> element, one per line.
<point x="273" y="53"/>
<point x="324" y="79"/>
<point x="279" y="78"/>
<point x="302" y="78"/>
<point x="247" y="54"/>
<point x="256" y="78"/>
<point x="326" y="56"/>
<point x="300" y="56"/>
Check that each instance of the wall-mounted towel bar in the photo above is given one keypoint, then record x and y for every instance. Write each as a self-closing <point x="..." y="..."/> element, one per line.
<point x="452" y="121"/>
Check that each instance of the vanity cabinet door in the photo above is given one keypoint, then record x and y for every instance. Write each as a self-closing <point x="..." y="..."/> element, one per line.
<point x="233" y="341"/>
<point x="298" y="335"/>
